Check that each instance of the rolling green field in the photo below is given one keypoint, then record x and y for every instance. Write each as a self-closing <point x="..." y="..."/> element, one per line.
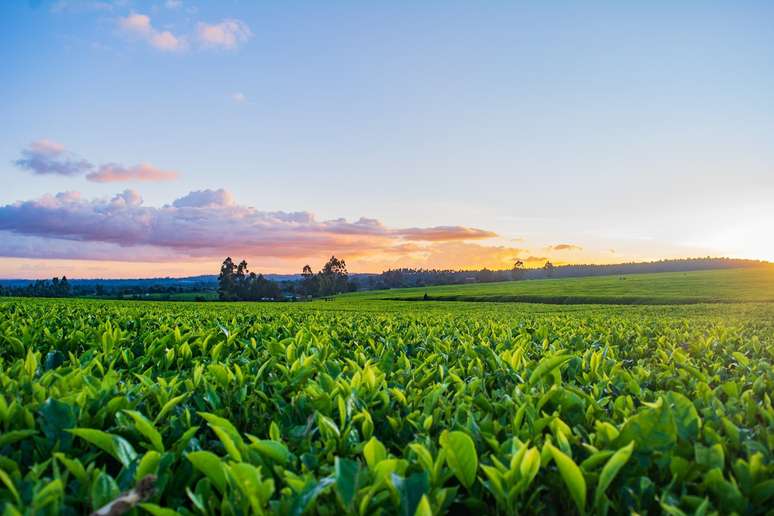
<point x="732" y="285"/>
<point x="369" y="406"/>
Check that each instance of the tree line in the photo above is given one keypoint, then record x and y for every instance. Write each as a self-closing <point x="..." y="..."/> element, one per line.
<point x="237" y="283"/>
<point x="56" y="287"/>
<point x="408" y="277"/>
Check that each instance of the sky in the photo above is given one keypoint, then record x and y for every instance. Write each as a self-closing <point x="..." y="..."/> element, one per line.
<point x="155" y="138"/>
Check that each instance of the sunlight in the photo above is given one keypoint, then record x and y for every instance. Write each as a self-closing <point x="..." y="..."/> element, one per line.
<point x="750" y="238"/>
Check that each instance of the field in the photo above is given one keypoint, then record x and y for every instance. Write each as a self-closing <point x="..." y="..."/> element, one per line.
<point x="716" y="286"/>
<point x="369" y="406"/>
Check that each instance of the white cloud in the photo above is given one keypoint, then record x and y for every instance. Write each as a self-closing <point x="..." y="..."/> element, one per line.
<point x="228" y="34"/>
<point x="140" y="26"/>
<point x="238" y="97"/>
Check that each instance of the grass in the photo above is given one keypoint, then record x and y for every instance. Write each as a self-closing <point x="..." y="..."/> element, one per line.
<point x="673" y="288"/>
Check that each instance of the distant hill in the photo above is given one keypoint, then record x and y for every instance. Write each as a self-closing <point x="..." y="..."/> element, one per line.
<point x="210" y="280"/>
<point x="420" y="277"/>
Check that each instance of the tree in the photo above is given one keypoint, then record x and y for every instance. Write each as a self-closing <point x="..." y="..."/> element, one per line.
<point x="334" y="277"/>
<point x="309" y="284"/>
<point x="548" y="269"/>
<point x="242" y="281"/>
<point x="64" y="287"/>
<point x="227" y="281"/>
<point x="237" y="283"/>
<point x="517" y="272"/>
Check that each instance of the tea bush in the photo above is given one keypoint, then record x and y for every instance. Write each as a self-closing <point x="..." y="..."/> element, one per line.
<point x="252" y="409"/>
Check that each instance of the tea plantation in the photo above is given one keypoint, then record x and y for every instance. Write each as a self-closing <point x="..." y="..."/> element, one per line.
<point x="385" y="407"/>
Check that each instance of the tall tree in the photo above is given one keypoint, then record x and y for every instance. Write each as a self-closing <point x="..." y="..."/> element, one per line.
<point x="334" y="277"/>
<point x="517" y="272"/>
<point x="227" y="281"/>
<point x="309" y="284"/>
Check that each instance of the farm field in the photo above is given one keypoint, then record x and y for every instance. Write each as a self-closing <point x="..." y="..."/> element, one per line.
<point x="731" y="285"/>
<point x="369" y="406"/>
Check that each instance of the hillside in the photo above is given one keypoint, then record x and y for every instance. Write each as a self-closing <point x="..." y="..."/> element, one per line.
<point x="732" y="285"/>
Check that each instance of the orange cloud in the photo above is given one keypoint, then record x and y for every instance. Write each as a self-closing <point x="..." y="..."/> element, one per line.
<point x="112" y="172"/>
<point x="566" y="247"/>
<point x="446" y="233"/>
<point x="210" y="224"/>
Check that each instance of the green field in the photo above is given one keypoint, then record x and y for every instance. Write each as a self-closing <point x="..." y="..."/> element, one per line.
<point x="370" y="406"/>
<point x="732" y="285"/>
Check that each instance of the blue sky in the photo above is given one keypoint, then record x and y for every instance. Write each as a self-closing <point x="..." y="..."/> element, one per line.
<point x="633" y="130"/>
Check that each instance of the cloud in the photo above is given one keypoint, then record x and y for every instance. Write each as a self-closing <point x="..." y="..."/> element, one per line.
<point x="44" y="157"/>
<point x="173" y="4"/>
<point x="444" y="233"/>
<point x="209" y="223"/>
<point x="113" y="172"/>
<point x="139" y="25"/>
<point x="228" y="34"/>
<point x="205" y="199"/>
<point x="238" y="97"/>
<point x="566" y="247"/>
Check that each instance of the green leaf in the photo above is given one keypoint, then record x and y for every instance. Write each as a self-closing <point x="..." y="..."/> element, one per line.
<point x="55" y="417"/>
<point x="148" y="464"/>
<point x="249" y="480"/>
<point x="411" y="490"/>
<point x="168" y="406"/>
<point x="210" y="465"/>
<point x="546" y="366"/>
<point x="347" y="474"/>
<point x="10" y="485"/>
<point x="147" y="429"/>
<point x="374" y="452"/>
<point x="52" y="492"/>
<point x="75" y="467"/>
<point x="98" y="438"/>
<point x="572" y="476"/>
<point x="461" y="456"/>
<point x="710" y="457"/>
<point x="103" y="491"/>
<point x="124" y="451"/>
<point x="15" y="436"/>
<point x="652" y="429"/>
<point x="327" y="426"/>
<point x="307" y="495"/>
<point x="269" y="449"/>
<point x="157" y="510"/>
<point x="228" y="442"/>
<point x="530" y="464"/>
<point x="220" y="422"/>
<point x="423" y="509"/>
<point x="610" y="470"/>
<point x="686" y="417"/>
<point x="114" y="445"/>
